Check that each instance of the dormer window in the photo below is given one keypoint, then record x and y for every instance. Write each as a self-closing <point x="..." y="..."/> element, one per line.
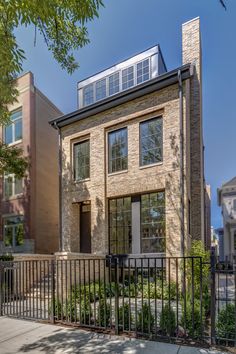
<point x="122" y="76"/>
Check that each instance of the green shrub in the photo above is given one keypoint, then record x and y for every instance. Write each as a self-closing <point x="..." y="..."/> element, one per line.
<point x="193" y="328"/>
<point x="6" y="257"/>
<point x="103" y="314"/>
<point x="226" y="322"/>
<point x="125" y="315"/>
<point x="145" y="319"/>
<point x="70" y="310"/>
<point x="168" y="321"/>
<point x="151" y="291"/>
<point x="58" y="310"/>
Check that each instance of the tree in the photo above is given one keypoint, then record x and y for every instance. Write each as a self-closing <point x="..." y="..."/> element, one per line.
<point x="62" y="25"/>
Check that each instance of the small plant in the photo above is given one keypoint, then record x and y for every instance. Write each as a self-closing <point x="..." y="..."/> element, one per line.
<point x="8" y="257"/>
<point x="226" y="323"/>
<point x="191" y="318"/>
<point x="58" y="310"/>
<point x="145" y="319"/>
<point x="125" y="317"/>
<point x="103" y="314"/>
<point x="168" y="321"/>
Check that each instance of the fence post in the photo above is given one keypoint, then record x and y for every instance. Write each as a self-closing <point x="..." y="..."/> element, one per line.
<point x="52" y="291"/>
<point x="116" y="262"/>
<point x="213" y="296"/>
<point x="1" y="287"/>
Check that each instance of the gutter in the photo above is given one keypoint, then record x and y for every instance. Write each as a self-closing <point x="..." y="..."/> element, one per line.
<point x="160" y="82"/>
<point x="61" y="245"/>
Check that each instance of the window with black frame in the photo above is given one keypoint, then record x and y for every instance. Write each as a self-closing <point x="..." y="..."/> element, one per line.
<point x="117" y="150"/>
<point x="120" y="234"/>
<point x="153" y="222"/>
<point x="82" y="160"/>
<point x="151" y="141"/>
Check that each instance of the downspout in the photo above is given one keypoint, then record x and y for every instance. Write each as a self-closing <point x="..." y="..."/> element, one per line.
<point x="181" y="166"/>
<point x="61" y="245"/>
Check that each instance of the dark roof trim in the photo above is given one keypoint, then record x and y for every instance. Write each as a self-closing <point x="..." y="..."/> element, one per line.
<point x="150" y="86"/>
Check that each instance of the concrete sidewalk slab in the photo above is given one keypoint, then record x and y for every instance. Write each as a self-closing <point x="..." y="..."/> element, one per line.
<point x="19" y="336"/>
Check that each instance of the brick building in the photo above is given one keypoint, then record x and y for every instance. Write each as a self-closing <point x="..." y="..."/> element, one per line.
<point x="29" y="214"/>
<point x="132" y="174"/>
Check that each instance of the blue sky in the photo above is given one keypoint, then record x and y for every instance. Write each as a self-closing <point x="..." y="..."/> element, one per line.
<point x="126" y="27"/>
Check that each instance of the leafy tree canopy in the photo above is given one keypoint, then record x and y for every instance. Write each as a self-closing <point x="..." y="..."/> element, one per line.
<point x="62" y="23"/>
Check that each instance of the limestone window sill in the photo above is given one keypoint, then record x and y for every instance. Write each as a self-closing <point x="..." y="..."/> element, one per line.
<point x="151" y="165"/>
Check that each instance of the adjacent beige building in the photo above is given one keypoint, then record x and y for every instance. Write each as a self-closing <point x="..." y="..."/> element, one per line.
<point x="29" y="213"/>
<point x="132" y="174"/>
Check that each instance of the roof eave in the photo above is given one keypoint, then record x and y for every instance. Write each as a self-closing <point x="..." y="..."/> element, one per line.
<point x="162" y="81"/>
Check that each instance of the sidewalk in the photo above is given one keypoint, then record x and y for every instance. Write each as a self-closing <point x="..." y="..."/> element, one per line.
<point x="19" y="336"/>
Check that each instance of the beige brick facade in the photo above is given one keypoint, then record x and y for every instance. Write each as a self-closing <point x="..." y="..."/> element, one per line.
<point x="180" y="118"/>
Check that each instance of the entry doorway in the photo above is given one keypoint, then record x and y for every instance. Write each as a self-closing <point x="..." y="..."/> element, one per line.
<point x="85" y="227"/>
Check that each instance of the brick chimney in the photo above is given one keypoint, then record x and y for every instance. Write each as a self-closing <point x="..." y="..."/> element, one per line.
<point x="191" y="53"/>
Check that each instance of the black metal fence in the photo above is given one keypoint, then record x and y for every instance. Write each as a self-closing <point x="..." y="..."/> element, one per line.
<point x="223" y="313"/>
<point x="147" y="296"/>
<point x="174" y="298"/>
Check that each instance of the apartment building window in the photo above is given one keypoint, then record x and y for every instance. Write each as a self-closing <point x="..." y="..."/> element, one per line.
<point x="151" y="141"/>
<point x="117" y="150"/>
<point x="13" y="132"/>
<point x="13" y="231"/>
<point x="143" y="71"/>
<point x="234" y="203"/>
<point x="82" y="160"/>
<point x="114" y="84"/>
<point x="13" y="186"/>
<point x="100" y="89"/>
<point x="120" y="225"/>
<point x="88" y="96"/>
<point x="153" y="222"/>
<point x="127" y="78"/>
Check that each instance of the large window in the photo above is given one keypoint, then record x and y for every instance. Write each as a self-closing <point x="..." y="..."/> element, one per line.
<point x="100" y="89"/>
<point x="12" y="186"/>
<point x="143" y="71"/>
<point x="153" y="222"/>
<point x="88" y="95"/>
<point x="13" y="132"/>
<point x="13" y="231"/>
<point x="151" y="141"/>
<point x="127" y="78"/>
<point x="82" y="160"/>
<point x="120" y="225"/>
<point x="117" y="150"/>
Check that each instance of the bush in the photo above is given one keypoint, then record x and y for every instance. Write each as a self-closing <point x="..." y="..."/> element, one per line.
<point x="168" y="321"/>
<point x="152" y="292"/>
<point x="104" y="314"/>
<point x="58" y="311"/>
<point x="226" y="322"/>
<point x="193" y="329"/>
<point x="145" y="319"/>
<point x="6" y="257"/>
<point x="126" y="314"/>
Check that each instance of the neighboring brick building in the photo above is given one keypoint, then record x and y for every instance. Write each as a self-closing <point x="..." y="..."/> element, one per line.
<point x="132" y="157"/>
<point x="29" y="213"/>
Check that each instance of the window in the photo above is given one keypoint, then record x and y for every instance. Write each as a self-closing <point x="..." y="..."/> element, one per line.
<point x="88" y="95"/>
<point x="153" y="222"/>
<point x="13" y="231"/>
<point x="114" y="84"/>
<point x="234" y="203"/>
<point x="100" y="89"/>
<point x="143" y="71"/>
<point x="13" y="132"/>
<point x="151" y="141"/>
<point x="117" y="150"/>
<point x="12" y="185"/>
<point x="235" y="240"/>
<point x="120" y="225"/>
<point x="127" y="78"/>
<point x="81" y="160"/>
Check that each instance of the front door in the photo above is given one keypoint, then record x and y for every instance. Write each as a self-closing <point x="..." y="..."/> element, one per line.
<point x="85" y="228"/>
